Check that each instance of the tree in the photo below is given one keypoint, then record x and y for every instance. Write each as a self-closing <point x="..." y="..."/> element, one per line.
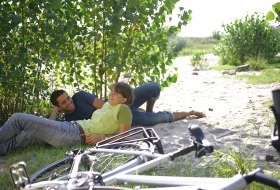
<point x="274" y="13"/>
<point x="81" y="45"/>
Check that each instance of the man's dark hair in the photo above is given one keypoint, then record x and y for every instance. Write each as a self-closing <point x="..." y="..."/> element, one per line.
<point x="125" y="90"/>
<point x="55" y="95"/>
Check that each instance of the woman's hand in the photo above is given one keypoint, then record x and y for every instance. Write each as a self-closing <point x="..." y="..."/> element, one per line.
<point x="94" y="138"/>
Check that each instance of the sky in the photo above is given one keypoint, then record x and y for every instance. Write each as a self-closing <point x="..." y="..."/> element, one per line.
<point x="209" y="15"/>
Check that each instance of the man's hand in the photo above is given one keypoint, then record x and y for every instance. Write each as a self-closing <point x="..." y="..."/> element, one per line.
<point x="54" y="113"/>
<point x="94" y="138"/>
<point x="97" y="103"/>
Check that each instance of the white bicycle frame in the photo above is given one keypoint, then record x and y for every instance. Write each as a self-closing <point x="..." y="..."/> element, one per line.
<point x="128" y="173"/>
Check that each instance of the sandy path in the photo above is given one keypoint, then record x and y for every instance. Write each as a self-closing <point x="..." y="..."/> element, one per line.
<point x="237" y="113"/>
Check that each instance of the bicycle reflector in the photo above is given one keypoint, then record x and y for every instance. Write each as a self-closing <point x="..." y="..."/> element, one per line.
<point x="19" y="175"/>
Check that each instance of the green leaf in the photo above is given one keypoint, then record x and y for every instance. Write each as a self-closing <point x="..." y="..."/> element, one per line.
<point x="276" y="7"/>
<point x="270" y="16"/>
<point x="56" y="4"/>
<point x="15" y="20"/>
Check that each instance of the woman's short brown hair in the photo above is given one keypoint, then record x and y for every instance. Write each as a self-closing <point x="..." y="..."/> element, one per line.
<point x="125" y="90"/>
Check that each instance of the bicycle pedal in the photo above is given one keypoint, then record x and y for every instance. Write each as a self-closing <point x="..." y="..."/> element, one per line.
<point x="19" y="174"/>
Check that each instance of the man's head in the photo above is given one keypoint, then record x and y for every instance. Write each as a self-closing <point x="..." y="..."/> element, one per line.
<point x="61" y="99"/>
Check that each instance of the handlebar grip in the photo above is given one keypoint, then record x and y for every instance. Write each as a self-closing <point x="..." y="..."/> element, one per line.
<point x="267" y="180"/>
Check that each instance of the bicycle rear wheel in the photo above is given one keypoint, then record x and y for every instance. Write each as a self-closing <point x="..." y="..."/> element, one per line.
<point x="101" y="162"/>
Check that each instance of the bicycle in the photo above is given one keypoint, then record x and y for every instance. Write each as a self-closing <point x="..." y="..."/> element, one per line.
<point x="138" y="147"/>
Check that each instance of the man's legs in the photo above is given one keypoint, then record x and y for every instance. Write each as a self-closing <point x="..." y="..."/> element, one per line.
<point x="150" y="105"/>
<point x="151" y="118"/>
<point x="147" y="93"/>
<point x="20" y="140"/>
<point x="21" y="128"/>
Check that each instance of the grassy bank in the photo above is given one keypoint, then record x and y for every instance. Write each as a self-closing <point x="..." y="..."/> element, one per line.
<point x="271" y="73"/>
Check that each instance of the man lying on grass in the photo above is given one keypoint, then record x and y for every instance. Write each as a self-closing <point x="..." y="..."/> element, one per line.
<point x="83" y="104"/>
<point x="114" y="117"/>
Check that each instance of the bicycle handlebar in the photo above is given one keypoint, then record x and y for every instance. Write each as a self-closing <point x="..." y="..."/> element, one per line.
<point x="199" y="144"/>
<point x="197" y="133"/>
<point x="241" y="181"/>
<point x="258" y="176"/>
<point x="203" y="145"/>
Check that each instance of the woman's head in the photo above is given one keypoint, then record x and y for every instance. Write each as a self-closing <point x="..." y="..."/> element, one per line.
<point x="121" y="93"/>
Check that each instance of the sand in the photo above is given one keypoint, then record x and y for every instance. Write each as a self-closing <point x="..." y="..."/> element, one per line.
<point x="237" y="113"/>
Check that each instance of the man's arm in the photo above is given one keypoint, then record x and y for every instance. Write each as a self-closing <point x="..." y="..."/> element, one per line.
<point x="54" y="113"/>
<point x="97" y="103"/>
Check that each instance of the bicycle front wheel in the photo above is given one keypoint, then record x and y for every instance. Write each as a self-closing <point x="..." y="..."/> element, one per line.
<point x="105" y="163"/>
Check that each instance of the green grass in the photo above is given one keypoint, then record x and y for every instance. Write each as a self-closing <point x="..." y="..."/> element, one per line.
<point x="264" y="77"/>
<point x="231" y="162"/>
<point x="204" y="45"/>
<point x="271" y="73"/>
<point x="223" y="67"/>
<point x="35" y="157"/>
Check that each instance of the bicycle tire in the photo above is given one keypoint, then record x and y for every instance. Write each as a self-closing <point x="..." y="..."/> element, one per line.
<point x="40" y="175"/>
<point x="101" y="161"/>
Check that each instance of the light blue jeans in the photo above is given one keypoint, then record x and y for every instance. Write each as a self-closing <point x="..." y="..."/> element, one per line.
<point x="23" y="129"/>
<point x="143" y="93"/>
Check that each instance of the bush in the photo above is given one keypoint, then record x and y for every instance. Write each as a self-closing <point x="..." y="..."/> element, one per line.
<point x="248" y="38"/>
<point x="176" y="44"/>
<point x="216" y="35"/>
<point x="198" y="61"/>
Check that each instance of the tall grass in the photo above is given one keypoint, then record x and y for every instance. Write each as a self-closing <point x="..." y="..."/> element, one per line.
<point x="232" y="162"/>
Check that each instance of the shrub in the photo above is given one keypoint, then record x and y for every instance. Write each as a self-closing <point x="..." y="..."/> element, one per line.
<point x="177" y="43"/>
<point x="232" y="162"/>
<point x="198" y="61"/>
<point x="248" y="38"/>
<point x="257" y="63"/>
<point x="216" y="35"/>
